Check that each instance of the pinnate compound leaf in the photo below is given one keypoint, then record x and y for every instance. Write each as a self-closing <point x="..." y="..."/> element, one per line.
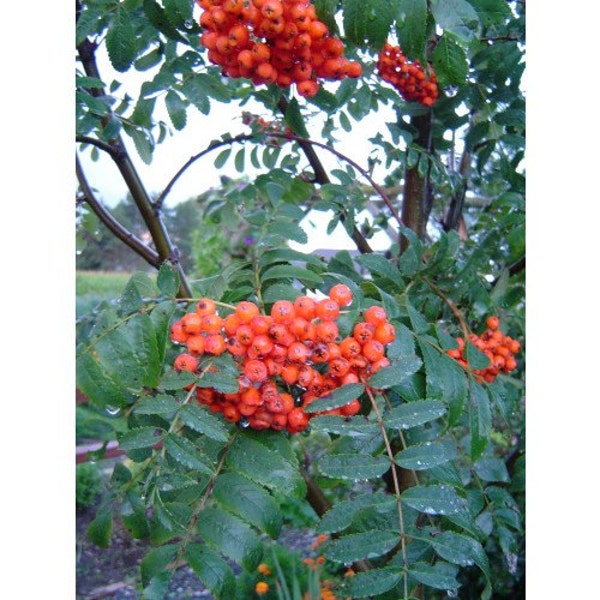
<point x="367" y="21"/>
<point x="121" y="41"/>
<point x="231" y="536"/>
<point x="265" y="466"/>
<point x="460" y="550"/>
<point x="212" y="570"/>
<point x="156" y="561"/>
<point x="411" y="26"/>
<point x="426" y="455"/>
<point x="441" y="575"/>
<point x="139" y="437"/>
<point x="100" y="529"/>
<point x="341" y="515"/>
<point x="353" y="466"/>
<point x="457" y="17"/>
<point x="338" y="397"/>
<point x="202" y="421"/>
<point x="394" y="374"/>
<point x="434" y="499"/>
<point x="446" y="380"/>
<point x="480" y="419"/>
<point x="249" y="501"/>
<point x="412" y="414"/>
<point x="375" y="581"/>
<point x="186" y="453"/>
<point x="450" y="61"/>
<point x="357" y="546"/>
<point x="157" y="405"/>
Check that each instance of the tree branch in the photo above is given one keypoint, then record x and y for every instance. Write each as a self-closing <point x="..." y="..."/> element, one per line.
<point x="149" y="255"/>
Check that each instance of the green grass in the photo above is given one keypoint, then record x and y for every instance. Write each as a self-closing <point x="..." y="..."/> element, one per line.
<point x="92" y="287"/>
<point x="109" y="283"/>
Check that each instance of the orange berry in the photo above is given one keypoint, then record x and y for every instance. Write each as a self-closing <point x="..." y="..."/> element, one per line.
<point x="373" y="350"/>
<point x="262" y="587"/>
<point x="351" y="408"/>
<point x="178" y="334"/>
<point x="196" y="344"/>
<point x="185" y="362"/>
<point x="375" y="315"/>
<point x="246" y="310"/>
<point x="493" y="322"/>
<point x="327" y="309"/>
<point x="214" y="344"/>
<point x="385" y="333"/>
<point x="191" y="323"/>
<point x="341" y="294"/>
<point x="305" y="307"/>
<point x="308" y="88"/>
<point x="255" y="370"/>
<point x="283" y="311"/>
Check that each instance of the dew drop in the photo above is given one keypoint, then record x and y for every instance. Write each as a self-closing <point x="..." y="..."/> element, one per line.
<point x="244" y="422"/>
<point x="112" y="411"/>
<point x="188" y="23"/>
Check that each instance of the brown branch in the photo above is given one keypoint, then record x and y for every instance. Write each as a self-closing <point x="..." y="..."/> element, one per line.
<point x="160" y="237"/>
<point x="238" y="138"/>
<point x="120" y="232"/>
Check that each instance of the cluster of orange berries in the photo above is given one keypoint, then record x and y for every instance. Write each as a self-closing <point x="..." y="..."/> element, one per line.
<point x="499" y="348"/>
<point x="409" y="78"/>
<point x="287" y="359"/>
<point x="273" y="41"/>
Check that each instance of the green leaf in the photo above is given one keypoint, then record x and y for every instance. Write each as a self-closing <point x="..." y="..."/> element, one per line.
<point x="450" y="62"/>
<point x="446" y="380"/>
<point x="480" y="419"/>
<point x="292" y="272"/>
<point x="367" y="21"/>
<point x="352" y="427"/>
<point x="231" y="536"/>
<point x="133" y="515"/>
<point x="457" y="17"/>
<point x="412" y="414"/>
<point x="411" y="26"/>
<point x="475" y="357"/>
<point x="222" y="382"/>
<point x="288" y="230"/>
<point x="491" y="468"/>
<point x="441" y="575"/>
<point x="434" y="499"/>
<point x="353" y="466"/>
<point x="158" y="17"/>
<point x="366" y="584"/>
<point x="139" y="437"/>
<point x="212" y="570"/>
<point x="157" y="405"/>
<point x="239" y="160"/>
<point x="356" y="546"/>
<point x="379" y="265"/>
<point x="395" y="373"/>
<point x="341" y="515"/>
<point x="100" y="529"/>
<point x="265" y="466"/>
<point x="121" y="41"/>
<point x="186" y="453"/>
<point x="425" y="455"/>
<point x="173" y="380"/>
<point x="156" y="561"/>
<point x="460" y="550"/>
<point x="168" y="279"/>
<point x="338" y="397"/>
<point x="202" y="421"/>
<point x="492" y="12"/>
<point x="142" y="142"/>
<point x="248" y="501"/>
<point x="293" y="118"/>
<point x="177" y="109"/>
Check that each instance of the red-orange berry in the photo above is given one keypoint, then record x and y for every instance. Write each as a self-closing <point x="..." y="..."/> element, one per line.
<point x="375" y="315"/>
<point x="341" y="294"/>
<point x="185" y="362"/>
